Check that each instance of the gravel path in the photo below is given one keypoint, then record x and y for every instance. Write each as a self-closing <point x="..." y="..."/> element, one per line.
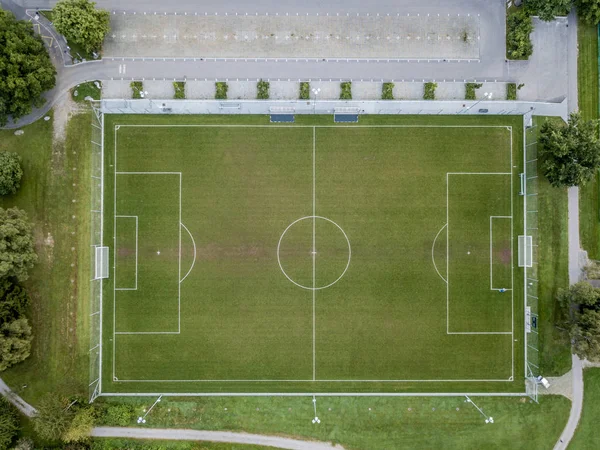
<point x="213" y="436"/>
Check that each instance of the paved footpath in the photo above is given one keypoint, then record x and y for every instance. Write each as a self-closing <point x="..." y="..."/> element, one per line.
<point x="576" y="405"/>
<point x="213" y="436"/>
<point x="21" y="404"/>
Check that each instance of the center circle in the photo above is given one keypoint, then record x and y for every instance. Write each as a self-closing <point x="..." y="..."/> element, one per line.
<point x="314" y="252"/>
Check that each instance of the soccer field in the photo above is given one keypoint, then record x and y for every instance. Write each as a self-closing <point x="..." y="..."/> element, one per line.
<point x="249" y="257"/>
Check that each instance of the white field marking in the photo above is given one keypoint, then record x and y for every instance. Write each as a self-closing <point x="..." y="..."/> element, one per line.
<point x="116" y="172"/>
<point x="448" y="253"/>
<point x="102" y="244"/>
<point x="347" y="241"/>
<point x="179" y="265"/>
<point x="322" y="381"/>
<point x="327" y="126"/>
<point x="148" y="173"/>
<point x="114" y="259"/>
<point x="147" y="332"/>
<point x="136" y="255"/>
<point x="525" y="276"/>
<point x="194" y="261"/>
<point x="314" y="255"/>
<point x="512" y="257"/>
<point x="480" y="332"/>
<point x="432" y="256"/>
<point x="304" y="126"/>
<point x="492" y="288"/>
<point x="179" y="270"/>
<point x="322" y="394"/>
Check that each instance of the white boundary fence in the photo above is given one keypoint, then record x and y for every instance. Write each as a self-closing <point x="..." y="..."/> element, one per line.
<point x="531" y="232"/>
<point x="431" y="107"/>
<point x="150" y="106"/>
<point x="96" y="221"/>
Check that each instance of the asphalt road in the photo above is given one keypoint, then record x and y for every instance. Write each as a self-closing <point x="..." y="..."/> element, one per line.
<point x="310" y="6"/>
<point x="491" y="66"/>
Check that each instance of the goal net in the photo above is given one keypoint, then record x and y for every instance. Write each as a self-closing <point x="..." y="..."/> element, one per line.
<point x="101" y="269"/>
<point x="525" y="251"/>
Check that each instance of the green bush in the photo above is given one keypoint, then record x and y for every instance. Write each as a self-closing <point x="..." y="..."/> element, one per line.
<point x="429" y="91"/>
<point x="346" y="90"/>
<point x="588" y="11"/>
<point x="120" y="415"/>
<point x="10" y="173"/>
<point x="470" y="90"/>
<point x="9" y="423"/>
<point x="387" y="91"/>
<point x="262" y="90"/>
<point x="304" y="90"/>
<point x="518" y="29"/>
<point x="137" y="87"/>
<point x="547" y="10"/>
<point x="179" y="87"/>
<point x="85" y="90"/>
<point x="511" y="91"/>
<point x="221" y="90"/>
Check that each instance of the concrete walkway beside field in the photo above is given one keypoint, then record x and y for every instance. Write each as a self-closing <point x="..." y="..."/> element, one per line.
<point x="212" y="436"/>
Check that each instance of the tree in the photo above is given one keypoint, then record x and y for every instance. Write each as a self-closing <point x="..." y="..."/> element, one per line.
<point x="81" y="426"/>
<point x="13" y="300"/>
<point x="579" y="294"/>
<point x="82" y="23"/>
<point x="588" y="11"/>
<point x="53" y="418"/>
<point x="581" y="307"/>
<point x="10" y="173"/>
<point x="15" y="342"/>
<point x="16" y="244"/>
<point x="548" y="9"/>
<point x="26" y="70"/>
<point x="585" y="334"/>
<point x="518" y="29"/>
<point x="9" y="423"/>
<point x="570" y="153"/>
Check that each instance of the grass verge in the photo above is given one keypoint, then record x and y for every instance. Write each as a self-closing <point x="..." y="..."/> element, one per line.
<point x="85" y="90"/>
<point x="586" y="435"/>
<point x="55" y="193"/>
<point x="553" y="274"/>
<point x="375" y="422"/>
<point x="587" y="80"/>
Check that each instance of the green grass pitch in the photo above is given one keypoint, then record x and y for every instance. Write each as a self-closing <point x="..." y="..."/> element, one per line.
<point x="249" y="257"/>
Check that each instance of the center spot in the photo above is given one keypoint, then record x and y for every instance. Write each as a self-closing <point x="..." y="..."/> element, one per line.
<point x="314" y="252"/>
